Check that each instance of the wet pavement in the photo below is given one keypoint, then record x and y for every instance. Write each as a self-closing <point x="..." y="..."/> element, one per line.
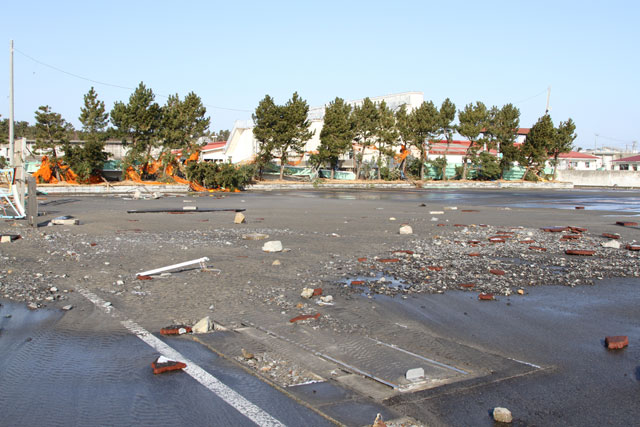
<point x="54" y="375"/>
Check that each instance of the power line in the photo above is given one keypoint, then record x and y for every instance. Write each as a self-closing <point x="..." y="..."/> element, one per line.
<point x="531" y="97"/>
<point x="114" y="85"/>
<point x="627" y="141"/>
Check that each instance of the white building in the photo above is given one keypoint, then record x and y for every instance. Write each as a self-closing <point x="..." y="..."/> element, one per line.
<point x="242" y="146"/>
<point x="575" y="160"/>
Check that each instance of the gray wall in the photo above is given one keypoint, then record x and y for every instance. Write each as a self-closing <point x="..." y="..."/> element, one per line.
<point x="600" y="178"/>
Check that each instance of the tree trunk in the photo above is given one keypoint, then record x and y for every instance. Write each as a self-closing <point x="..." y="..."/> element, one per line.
<point x="332" y="172"/>
<point x="464" y="168"/>
<point x="422" y="160"/>
<point x="379" y="163"/>
<point x="281" y="170"/>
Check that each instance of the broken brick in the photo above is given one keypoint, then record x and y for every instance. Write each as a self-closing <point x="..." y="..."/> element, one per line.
<point x="357" y="282"/>
<point x="580" y="207"/>
<point x="497" y="272"/>
<point x="571" y="237"/>
<point x="305" y="317"/>
<point x="611" y="236"/>
<point x="459" y="225"/>
<point x="633" y="247"/>
<point x="555" y="229"/>
<point x="627" y="223"/>
<point x="474" y="254"/>
<point x="473" y="242"/>
<point x="467" y="285"/>
<point x="93" y="244"/>
<point x="496" y="239"/>
<point x="577" y="229"/>
<point x="442" y="225"/>
<point x="175" y="330"/>
<point x="485" y="297"/>
<point x="538" y="248"/>
<point x="317" y="292"/>
<point x="469" y="210"/>
<point x="162" y="365"/>
<point x="527" y="242"/>
<point x="616" y="342"/>
<point x="389" y="260"/>
<point x="362" y="259"/>
<point x="579" y="252"/>
<point x="408" y="252"/>
<point x="505" y="233"/>
<point x="434" y="268"/>
<point x="143" y="277"/>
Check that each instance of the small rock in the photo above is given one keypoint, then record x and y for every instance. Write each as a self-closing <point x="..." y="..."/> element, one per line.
<point x="436" y="212"/>
<point x="137" y="194"/>
<point x="247" y="355"/>
<point x="53" y="289"/>
<point x="107" y="304"/>
<point x="379" y="422"/>
<point x="239" y="219"/>
<point x="272" y="246"/>
<point x="614" y="244"/>
<point x="327" y="298"/>
<point x="520" y="291"/>
<point x="203" y="326"/>
<point x="392" y="219"/>
<point x="307" y="293"/>
<point x="502" y="415"/>
<point x="406" y="229"/>
<point x="67" y="307"/>
<point x="276" y="262"/>
<point x="415" y="374"/>
<point x="119" y="282"/>
<point x="255" y="236"/>
<point x="32" y="306"/>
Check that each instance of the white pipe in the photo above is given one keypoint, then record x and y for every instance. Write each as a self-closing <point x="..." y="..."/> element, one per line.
<point x="171" y="267"/>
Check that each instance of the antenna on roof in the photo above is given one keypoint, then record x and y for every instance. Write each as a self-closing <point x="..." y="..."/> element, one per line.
<point x="548" y="96"/>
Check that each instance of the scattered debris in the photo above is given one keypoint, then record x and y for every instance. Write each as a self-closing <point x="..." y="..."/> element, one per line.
<point x="415" y="374"/>
<point x="436" y="212"/>
<point x="143" y="277"/>
<point x="582" y="252"/>
<point x="611" y="244"/>
<point x="520" y="291"/>
<point x="485" y="297"/>
<point x="305" y="317"/>
<point x="388" y="260"/>
<point x="633" y="247"/>
<point x="379" y="422"/>
<point x="392" y="219"/>
<point x="497" y="272"/>
<point x="307" y="293"/>
<point x="8" y="238"/>
<point x="406" y="229"/>
<point x="162" y="365"/>
<point x="611" y="235"/>
<point x="200" y="261"/>
<point x="67" y="307"/>
<point x="502" y="415"/>
<point x="537" y="248"/>
<point x="272" y="246"/>
<point x="276" y="262"/>
<point x="239" y="218"/>
<point x="326" y="299"/>
<point x="203" y="326"/>
<point x="450" y="208"/>
<point x="65" y="220"/>
<point x="175" y="330"/>
<point x="616" y="342"/>
<point x="32" y="306"/>
<point x="247" y="355"/>
<point x="255" y="236"/>
<point x="627" y="223"/>
<point x="580" y="207"/>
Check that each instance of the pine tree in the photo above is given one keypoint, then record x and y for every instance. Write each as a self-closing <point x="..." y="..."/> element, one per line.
<point x="473" y="121"/>
<point x="336" y="134"/>
<point x="366" y="118"/>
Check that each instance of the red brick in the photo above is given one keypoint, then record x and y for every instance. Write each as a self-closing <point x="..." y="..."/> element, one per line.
<point x="627" y="223"/>
<point x="579" y="252"/>
<point x="538" y="248"/>
<point x="362" y="259"/>
<point x="505" y="233"/>
<point x="93" y="244"/>
<point x="555" y="229"/>
<point x="317" y="292"/>
<point x="473" y="242"/>
<point x="404" y="252"/>
<point x="467" y="285"/>
<point x="469" y="210"/>
<point x="175" y="330"/>
<point x="442" y="225"/>
<point x="474" y="254"/>
<point x="357" y="282"/>
<point x="497" y="272"/>
<point x="571" y="237"/>
<point x="577" y="229"/>
<point x="485" y="297"/>
<point x="305" y="317"/>
<point x="611" y="236"/>
<point x="579" y="207"/>
<point x="434" y="268"/>
<point x="495" y="239"/>
<point x="616" y="342"/>
<point x="144" y="277"/>
<point x="389" y="260"/>
<point x="459" y="225"/>
<point x="527" y="242"/>
<point x="633" y="247"/>
<point x="159" y="368"/>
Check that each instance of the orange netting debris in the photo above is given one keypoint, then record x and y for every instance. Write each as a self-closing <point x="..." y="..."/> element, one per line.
<point x="46" y="172"/>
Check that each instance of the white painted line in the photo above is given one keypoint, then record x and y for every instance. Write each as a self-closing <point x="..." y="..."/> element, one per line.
<point x="525" y="363"/>
<point x="231" y="397"/>
<point x="434" y="362"/>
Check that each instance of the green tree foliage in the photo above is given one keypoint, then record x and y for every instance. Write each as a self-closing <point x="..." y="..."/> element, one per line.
<point x="222" y="135"/>
<point x="4" y="129"/>
<point x="51" y="133"/>
<point x="473" y="121"/>
<point x="537" y="145"/>
<point x="366" y="119"/>
<point x="446" y="128"/>
<point x="139" y="122"/>
<point x="220" y="175"/>
<point x="281" y="129"/>
<point x="404" y="130"/>
<point x="423" y="128"/>
<point x="562" y="141"/>
<point x="336" y="134"/>
<point x="88" y="159"/>
<point x="183" y="122"/>
<point x="487" y="167"/>
<point x="386" y="135"/>
<point x="501" y="134"/>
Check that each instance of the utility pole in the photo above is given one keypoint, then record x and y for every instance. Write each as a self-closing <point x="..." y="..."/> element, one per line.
<point x="11" y="134"/>
<point x="548" y="96"/>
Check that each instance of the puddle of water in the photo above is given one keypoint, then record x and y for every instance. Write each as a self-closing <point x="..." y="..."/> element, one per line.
<point x="370" y="281"/>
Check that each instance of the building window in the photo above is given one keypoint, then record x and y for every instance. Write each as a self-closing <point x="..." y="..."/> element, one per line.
<point x="624" y="167"/>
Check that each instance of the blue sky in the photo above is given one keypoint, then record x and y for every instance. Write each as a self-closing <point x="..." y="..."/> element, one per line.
<point x="232" y="53"/>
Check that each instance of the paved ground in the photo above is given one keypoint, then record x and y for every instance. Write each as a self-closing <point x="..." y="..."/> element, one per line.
<point x="539" y="354"/>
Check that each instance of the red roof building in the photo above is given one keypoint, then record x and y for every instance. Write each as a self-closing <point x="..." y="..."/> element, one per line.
<point x="631" y="163"/>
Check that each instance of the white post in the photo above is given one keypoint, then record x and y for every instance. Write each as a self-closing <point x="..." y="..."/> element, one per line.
<point x="11" y="132"/>
<point x="200" y="261"/>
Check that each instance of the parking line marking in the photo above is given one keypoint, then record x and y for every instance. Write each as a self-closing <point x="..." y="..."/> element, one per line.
<point x="230" y="396"/>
